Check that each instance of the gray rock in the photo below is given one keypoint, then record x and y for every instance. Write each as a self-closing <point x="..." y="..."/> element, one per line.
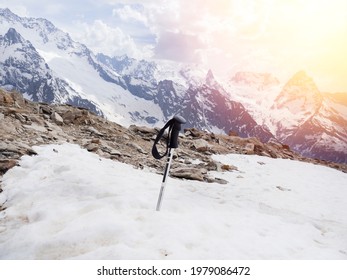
<point x="45" y="109"/>
<point x="201" y="145"/>
<point x="57" y="118"/>
<point x="94" y="131"/>
<point x="216" y="180"/>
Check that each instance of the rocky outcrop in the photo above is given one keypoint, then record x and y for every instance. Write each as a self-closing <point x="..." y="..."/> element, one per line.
<point x="24" y="124"/>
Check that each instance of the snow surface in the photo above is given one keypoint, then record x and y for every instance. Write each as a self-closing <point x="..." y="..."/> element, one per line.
<point x="67" y="203"/>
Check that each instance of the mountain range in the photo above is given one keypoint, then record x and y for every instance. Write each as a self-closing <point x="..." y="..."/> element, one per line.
<point x="45" y="64"/>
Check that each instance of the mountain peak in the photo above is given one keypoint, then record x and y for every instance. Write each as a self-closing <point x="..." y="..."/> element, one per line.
<point x="301" y="97"/>
<point x="302" y="79"/>
<point x="7" y="14"/>
<point x="13" y="37"/>
<point x="210" y="77"/>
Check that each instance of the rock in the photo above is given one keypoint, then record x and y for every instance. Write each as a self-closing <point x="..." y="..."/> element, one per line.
<point x="92" y="147"/>
<point x="111" y="151"/>
<point x="8" y="147"/>
<point x="6" y="164"/>
<point x="216" y="180"/>
<point x="57" y="118"/>
<point x="227" y="167"/>
<point x="95" y="141"/>
<point x="115" y="152"/>
<point x="232" y="133"/>
<point x="26" y="149"/>
<point x="137" y="147"/>
<point x="286" y="147"/>
<point x="94" y="131"/>
<point x="20" y="117"/>
<point x="37" y="119"/>
<point x="188" y="173"/>
<point x="193" y="132"/>
<point x="212" y="166"/>
<point x="69" y="117"/>
<point x="201" y="145"/>
<point x="193" y="156"/>
<point x="45" y="109"/>
<point x="142" y="129"/>
<point x="249" y="149"/>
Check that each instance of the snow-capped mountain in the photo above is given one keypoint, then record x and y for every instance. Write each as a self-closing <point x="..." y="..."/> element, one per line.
<point x="312" y="122"/>
<point x="84" y="78"/>
<point x="45" y="64"/>
<point x="297" y="113"/>
<point x="25" y="70"/>
<point x="200" y="99"/>
<point x="123" y="89"/>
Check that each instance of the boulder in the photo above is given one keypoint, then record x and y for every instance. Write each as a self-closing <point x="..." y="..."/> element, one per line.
<point x="45" y="109"/>
<point x="94" y="131"/>
<point x="249" y="149"/>
<point x="188" y="173"/>
<point x="57" y="118"/>
<point x="195" y="133"/>
<point x="201" y="145"/>
<point x="92" y="147"/>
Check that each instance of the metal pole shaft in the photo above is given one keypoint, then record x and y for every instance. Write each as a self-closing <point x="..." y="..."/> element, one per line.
<point x="166" y="173"/>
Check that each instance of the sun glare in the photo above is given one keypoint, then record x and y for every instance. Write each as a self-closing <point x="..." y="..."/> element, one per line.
<point x="306" y="34"/>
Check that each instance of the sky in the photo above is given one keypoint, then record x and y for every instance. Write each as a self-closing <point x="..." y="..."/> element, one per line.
<point x="281" y="37"/>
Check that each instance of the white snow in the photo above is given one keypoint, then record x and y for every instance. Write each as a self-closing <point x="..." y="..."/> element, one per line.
<point x="67" y="203"/>
<point x="48" y="55"/>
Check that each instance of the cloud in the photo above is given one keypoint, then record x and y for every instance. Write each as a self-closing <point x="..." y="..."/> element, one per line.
<point x="102" y="38"/>
<point x="179" y="47"/>
<point x="128" y="13"/>
<point x="260" y="35"/>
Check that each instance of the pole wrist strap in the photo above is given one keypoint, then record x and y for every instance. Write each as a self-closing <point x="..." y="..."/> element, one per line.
<point x="155" y="152"/>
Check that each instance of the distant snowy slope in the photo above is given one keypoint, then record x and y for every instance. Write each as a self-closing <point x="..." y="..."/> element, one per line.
<point x="297" y="113"/>
<point x="257" y="92"/>
<point x="77" y="67"/>
<point x="66" y="203"/>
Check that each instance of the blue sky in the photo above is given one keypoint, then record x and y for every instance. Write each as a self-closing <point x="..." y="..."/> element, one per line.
<point x="280" y="37"/>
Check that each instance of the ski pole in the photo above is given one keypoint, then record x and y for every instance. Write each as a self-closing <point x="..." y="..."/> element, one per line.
<point x="163" y="183"/>
<point x="172" y="143"/>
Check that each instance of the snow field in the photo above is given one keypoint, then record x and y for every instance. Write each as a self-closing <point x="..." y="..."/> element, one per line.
<point x="67" y="203"/>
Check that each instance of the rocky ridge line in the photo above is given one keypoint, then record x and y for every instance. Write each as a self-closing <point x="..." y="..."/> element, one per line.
<point x="24" y="124"/>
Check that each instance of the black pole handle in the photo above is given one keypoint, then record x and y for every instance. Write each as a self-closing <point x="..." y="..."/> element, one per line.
<point x="176" y="128"/>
